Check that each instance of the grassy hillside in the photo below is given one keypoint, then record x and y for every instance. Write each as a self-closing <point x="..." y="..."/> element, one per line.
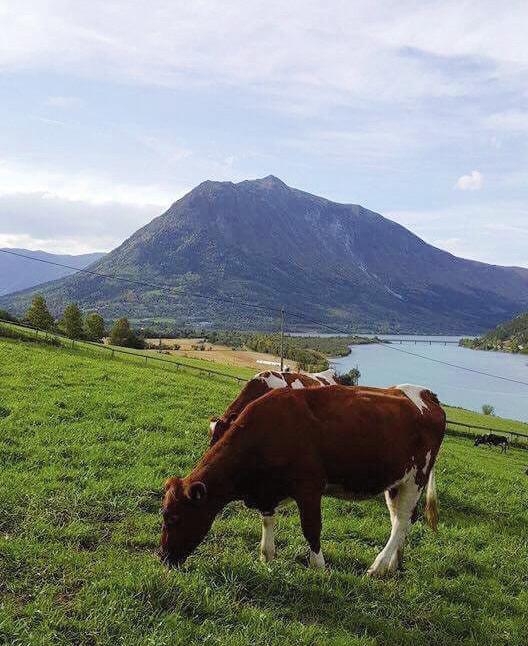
<point x="500" y="424"/>
<point x="85" y="446"/>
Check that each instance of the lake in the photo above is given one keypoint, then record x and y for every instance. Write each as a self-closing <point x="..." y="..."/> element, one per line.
<point x="385" y="366"/>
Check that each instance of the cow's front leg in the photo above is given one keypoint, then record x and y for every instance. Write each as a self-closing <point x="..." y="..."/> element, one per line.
<point x="267" y="543"/>
<point x="309" y="504"/>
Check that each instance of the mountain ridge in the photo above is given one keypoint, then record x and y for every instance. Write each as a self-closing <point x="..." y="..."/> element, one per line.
<point x="17" y="273"/>
<point x="265" y="242"/>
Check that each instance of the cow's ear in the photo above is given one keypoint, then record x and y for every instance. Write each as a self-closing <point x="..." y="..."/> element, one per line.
<point x="172" y="483"/>
<point x="196" y="491"/>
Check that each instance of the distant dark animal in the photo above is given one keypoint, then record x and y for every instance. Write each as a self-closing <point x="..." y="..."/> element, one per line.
<point x="493" y="440"/>
<point x="303" y="444"/>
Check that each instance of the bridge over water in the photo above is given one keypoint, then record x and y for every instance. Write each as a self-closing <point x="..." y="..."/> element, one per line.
<point x="426" y="341"/>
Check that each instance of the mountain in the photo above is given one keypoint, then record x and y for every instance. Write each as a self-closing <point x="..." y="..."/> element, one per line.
<point x="264" y="242"/>
<point x="18" y="273"/>
<point x="511" y="336"/>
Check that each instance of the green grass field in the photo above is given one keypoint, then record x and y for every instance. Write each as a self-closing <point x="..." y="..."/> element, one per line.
<point x="86" y="443"/>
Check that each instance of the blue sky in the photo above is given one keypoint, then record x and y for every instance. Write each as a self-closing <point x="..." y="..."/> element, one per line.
<point x="110" y="111"/>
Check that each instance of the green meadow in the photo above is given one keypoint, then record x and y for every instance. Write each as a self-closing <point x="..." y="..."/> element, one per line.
<point x="86" y="442"/>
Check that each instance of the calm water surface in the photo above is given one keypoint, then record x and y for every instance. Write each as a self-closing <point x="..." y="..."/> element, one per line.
<point x="382" y="366"/>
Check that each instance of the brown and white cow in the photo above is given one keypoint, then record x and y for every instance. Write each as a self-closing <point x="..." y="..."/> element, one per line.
<point x="261" y="384"/>
<point x="344" y="442"/>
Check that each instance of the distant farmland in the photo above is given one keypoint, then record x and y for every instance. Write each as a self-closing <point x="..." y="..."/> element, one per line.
<point x="86" y="443"/>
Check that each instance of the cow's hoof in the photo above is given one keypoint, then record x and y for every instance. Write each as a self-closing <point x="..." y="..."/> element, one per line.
<point x="267" y="557"/>
<point x="383" y="567"/>
<point x="317" y="561"/>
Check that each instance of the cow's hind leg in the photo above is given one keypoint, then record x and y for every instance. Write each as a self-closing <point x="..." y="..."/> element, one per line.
<point x="267" y="543"/>
<point x="310" y="512"/>
<point x="401" y="502"/>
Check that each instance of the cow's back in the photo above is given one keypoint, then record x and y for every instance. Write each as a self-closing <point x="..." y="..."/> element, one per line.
<point x="361" y="438"/>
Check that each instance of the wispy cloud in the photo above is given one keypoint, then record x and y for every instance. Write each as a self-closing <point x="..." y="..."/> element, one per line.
<point x="64" y="102"/>
<point x="512" y="120"/>
<point x="384" y="50"/>
<point x="492" y="232"/>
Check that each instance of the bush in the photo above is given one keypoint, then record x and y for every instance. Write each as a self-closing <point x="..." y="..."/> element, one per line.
<point x="6" y="316"/>
<point x="350" y="378"/>
<point x="488" y="409"/>
<point x="123" y="335"/>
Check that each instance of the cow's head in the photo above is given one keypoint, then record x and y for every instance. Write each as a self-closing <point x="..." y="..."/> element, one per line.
<point x="187" y="517"/>
<point x="479" y="440"/>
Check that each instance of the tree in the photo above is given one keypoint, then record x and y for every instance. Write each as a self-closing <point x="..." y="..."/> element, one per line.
<point x="71" y="323"/>
<point x="38" y="314"/>
<point x="122" y="334"/>
<point x="350" y="378"/>
<point x="488" y="409"/>
<point x="94" y="327"/>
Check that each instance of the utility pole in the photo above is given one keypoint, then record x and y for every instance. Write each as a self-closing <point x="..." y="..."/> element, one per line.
<point x="282" y="340"/>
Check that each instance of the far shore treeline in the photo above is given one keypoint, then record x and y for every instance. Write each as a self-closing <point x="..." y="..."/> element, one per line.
<point x="511" y="336"/>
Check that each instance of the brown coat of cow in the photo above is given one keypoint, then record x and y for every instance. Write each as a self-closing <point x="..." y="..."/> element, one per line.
<point x="345" y="442"/>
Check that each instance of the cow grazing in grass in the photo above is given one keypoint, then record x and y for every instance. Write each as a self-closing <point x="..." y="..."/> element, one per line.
<point x="260" y="385"/>
<point x="493" y="440"/>
<point x="304" y="444"/>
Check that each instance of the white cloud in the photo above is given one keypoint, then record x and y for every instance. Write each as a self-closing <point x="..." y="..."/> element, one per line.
<point x="471" y="182"/>
<point x="65" y="102"/>
<point x="73" y="213"/>
<point x="38" y="221"/>
<point x="78" y="187"/>
<point x="64" y="245"/>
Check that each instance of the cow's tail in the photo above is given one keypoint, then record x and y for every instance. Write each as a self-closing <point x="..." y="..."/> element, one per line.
<point x="431" y="502"/>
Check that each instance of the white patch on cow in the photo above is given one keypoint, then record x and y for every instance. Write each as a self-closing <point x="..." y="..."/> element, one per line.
<point x="297" y="384"/>
<point x="212" y="426"/>
<point x="273" y="382"/>
<point x="414" y="393"/>
<point x="427" y="460"/>
<point x="317" y="560"/>
<point x="401" y="508"/>
<point x="267" y="543"/>
<point x="329" y="375"/>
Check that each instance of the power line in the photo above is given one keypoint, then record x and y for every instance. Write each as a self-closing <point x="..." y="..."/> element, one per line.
<point x="264" y="308"/>
<point x="143" y="283"/>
